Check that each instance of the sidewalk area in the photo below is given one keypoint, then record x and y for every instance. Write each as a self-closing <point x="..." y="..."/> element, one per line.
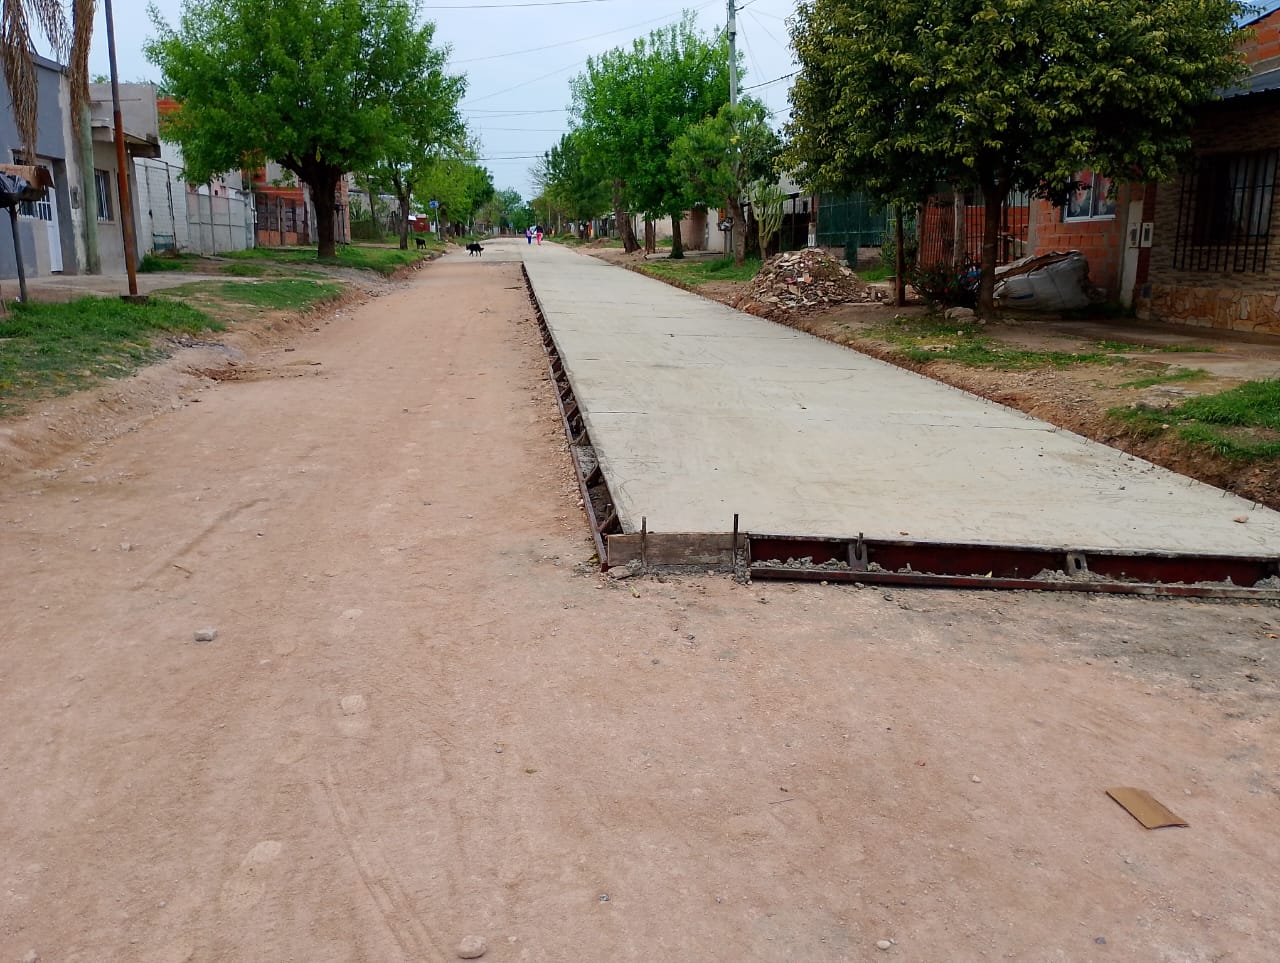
<point x="698" y="412"/>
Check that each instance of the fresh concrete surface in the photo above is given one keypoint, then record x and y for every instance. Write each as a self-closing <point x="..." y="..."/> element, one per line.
<point x="698" y="411"/>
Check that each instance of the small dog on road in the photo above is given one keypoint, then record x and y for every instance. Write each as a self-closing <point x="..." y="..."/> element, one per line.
<point x="474" y="248"/>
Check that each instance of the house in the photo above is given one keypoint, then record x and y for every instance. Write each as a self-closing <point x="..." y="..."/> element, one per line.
<point x="76" y="228"/>
<point x="49" y="231"/>
<point x="1211" y="230"/>
<point x="285" y="213"/>
<point x="1194" y="250"/>
<point x="176" y="215"/>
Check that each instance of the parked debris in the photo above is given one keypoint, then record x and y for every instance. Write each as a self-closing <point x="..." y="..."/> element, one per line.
<point x="798" y="281"/>
<point x="1049" y="282"/>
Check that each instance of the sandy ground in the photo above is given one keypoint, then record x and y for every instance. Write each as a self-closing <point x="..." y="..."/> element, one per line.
<point x="424" y="718"/>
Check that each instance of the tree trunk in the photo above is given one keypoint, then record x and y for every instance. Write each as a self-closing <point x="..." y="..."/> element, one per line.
<point x="323" y="180"/>
<point x="738" y="233"/>
<point x="628" y="236"/>
<point x="404" y="220"/>
<point x="993" y="200"/>
<point x="650" y="237"/>
<point x="677" y="245"/>
<point x="899" y="260"/>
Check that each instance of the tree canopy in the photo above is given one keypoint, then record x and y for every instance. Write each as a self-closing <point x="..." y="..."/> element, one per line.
<point x="721" y="156"/>
<point x="897" y="97"/>
<point x="569" y="183"/>
<point x="631" y="104"/>
<point x="320" y="86"/>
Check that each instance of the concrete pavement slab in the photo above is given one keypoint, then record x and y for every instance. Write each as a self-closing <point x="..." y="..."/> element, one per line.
<point x="697" y="412"/>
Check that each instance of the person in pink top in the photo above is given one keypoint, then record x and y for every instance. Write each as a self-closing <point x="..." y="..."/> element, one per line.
<point x="538" y="231"/>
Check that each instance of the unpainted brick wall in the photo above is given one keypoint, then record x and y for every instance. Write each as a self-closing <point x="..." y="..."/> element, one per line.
<point x="1102" y="240"/>
<point x="1244" y="301"/>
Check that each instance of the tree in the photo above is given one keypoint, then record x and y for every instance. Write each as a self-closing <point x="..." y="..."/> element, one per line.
<point x="719" y="157"/>
<point x="896" y="97"/>
<point x="767" y="202"/>
<point x="457" y="184"/>
<point x="316" y="85"/>
<point x="429" y="129"/>
<point x="570" y="184"/>
<point x="17" y="58"/>
<point x="630" y="106"/>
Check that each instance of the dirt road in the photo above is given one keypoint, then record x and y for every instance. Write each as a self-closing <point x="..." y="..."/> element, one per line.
<point x="423" y="719"/>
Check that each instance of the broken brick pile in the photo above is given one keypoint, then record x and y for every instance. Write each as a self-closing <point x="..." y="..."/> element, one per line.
<point x="796" y="282"/>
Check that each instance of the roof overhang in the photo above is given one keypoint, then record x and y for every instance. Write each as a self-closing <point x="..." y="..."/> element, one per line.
<point x="135" y="144"/>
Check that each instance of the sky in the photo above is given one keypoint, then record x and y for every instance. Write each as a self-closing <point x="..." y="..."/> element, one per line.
<point x="519" y="56"/>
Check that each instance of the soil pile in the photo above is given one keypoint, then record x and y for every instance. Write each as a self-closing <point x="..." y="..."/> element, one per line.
<point x="801" y="282"/>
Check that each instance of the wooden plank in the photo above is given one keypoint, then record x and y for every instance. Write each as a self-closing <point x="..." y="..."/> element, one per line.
<point x="1145" y="808"/>
<point x="706" y="550"/>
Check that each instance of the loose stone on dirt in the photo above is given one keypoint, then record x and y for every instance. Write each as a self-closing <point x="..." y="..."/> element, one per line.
<point x="206" y="635"/>
<point x="472" y="948"/>
<point x="799" y="282"/>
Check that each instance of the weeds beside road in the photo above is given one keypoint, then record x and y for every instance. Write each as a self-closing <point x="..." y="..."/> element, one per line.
<point x="53" y="348"/>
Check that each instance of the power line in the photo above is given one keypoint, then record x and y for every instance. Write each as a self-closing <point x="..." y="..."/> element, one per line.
<point x="566" y="43"/>
<point x="773" y="81"/>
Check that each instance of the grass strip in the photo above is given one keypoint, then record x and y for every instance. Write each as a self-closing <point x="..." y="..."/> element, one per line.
<point x="52" y="349"/>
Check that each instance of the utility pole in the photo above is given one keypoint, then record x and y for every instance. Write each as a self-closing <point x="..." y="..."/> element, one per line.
<point x="731" y="31"/>
<point x="126" y="205"/>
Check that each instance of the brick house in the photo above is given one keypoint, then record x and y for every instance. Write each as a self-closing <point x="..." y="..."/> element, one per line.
<point x="1194" y="250"/>
<point x="1211" y="262"/>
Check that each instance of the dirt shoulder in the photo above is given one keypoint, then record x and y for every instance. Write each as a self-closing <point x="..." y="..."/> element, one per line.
<point x="424" y="717"/>
<point x="1075" y="374"/>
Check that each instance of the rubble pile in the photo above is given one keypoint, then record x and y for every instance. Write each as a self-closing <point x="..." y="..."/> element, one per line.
<point x="798" y="281"/>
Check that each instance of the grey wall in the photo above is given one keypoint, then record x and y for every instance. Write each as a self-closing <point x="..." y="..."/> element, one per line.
<point x="49" y="140"/>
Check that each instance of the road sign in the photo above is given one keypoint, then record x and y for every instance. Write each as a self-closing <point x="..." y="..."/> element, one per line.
<point x="433" y="205"/>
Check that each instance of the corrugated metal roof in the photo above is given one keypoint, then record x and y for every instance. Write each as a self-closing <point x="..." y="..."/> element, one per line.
<point x="1256" y="84"/>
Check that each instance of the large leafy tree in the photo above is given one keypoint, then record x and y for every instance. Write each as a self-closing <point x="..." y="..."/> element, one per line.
<point x="631" y="104"/>
<point x="320" y="86"/>
<point x="429" y="129"/>
<point x="720" y="157"/>
<point x="895" y="97"/>
<point x="570" y="184"/>
<point x="457" y="183"/>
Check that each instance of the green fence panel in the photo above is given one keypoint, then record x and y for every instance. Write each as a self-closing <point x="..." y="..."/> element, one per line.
<point x="850" y="222"/>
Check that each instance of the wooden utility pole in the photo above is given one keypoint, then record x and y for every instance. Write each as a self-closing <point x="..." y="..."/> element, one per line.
<point x="122" y="172"/>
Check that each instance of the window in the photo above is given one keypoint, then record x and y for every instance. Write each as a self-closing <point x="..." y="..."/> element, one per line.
<point x="1224" y="213"/>
<point x="102" y="180"/>
<point x="1091" y="200"/>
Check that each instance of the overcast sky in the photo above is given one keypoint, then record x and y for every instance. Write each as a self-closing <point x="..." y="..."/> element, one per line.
<point x="519" y="56"/>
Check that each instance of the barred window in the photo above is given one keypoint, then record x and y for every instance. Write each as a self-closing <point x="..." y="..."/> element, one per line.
<point x="1224" y="214"/>
<point x="102" y="183"/>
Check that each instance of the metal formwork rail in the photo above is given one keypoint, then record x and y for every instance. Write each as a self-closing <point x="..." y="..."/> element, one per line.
<point x="951" y="565"/>
<point x="597" y="500"/>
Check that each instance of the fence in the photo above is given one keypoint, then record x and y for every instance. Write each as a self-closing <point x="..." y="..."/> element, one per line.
<point x="946" y="222"/>
<point x="851" y="222"/>
<point x="172" y="218"/>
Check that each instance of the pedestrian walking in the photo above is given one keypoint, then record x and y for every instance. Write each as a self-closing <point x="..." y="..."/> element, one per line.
<point x="538" y="231"/>
<point x="528" y="235"/>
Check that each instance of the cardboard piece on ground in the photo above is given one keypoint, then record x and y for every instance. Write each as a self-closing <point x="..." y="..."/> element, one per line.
<point x="1144" y="807"/>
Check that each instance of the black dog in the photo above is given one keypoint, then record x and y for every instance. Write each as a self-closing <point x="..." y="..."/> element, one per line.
<point x="474" y="248"/>
<point x="421" y="242"/>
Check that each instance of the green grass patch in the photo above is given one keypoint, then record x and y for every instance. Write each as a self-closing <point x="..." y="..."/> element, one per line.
<point x="1128" y="347"/>
<point x="276" y="294"/>
<point x="364" y="257"/>
<point x="244" y="270"/>
<point x="153" y="263"/>
<point x="881" y="272"/>
<point x="1186" y="374"/>
<point x="58" y="348"/>
<point x="1241" y="423"/>
<point x="931" y="338"/>
<point x="697" y="271"/>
